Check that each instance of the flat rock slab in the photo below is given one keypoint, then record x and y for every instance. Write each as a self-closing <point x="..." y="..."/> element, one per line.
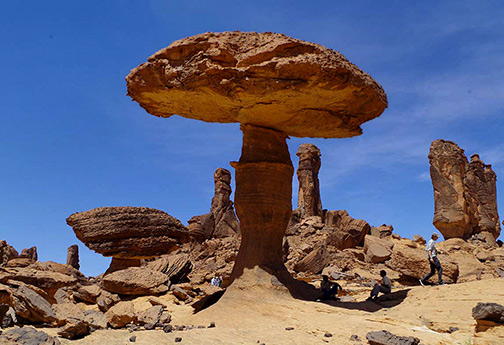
<point x="135" y="281"/>
<point x="128" y="232"/>
<point x="387" y="338"/>
<point x="27" y="336"/>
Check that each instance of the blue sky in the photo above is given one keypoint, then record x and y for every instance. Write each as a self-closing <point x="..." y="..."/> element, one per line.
<point x="71" y="140"/>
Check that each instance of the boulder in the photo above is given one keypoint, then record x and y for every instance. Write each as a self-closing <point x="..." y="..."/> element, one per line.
<point x="413" y="263"/>
<point x="419" y="239"/>
<point x="387" y="338"/>
<point x="383" y="231"/>
<point x="150" y="316"/>
<point x="135" y="281"/>
<point x="314" y="262"/>
<point x="88" y="293"/>
<point x="488" y="315"/>
<point x="345" y="231"/>
<point x="176" y="267"/>
<point x="96" y="319"/>
<point x="128" y="232"/>
<point x="67" y="312"/>
<point x="27" y="336"/>
<point x="121" y="314"/>
<point x="309" y="202"/>
<point x="377" y="250"/>
<point x="52" y="266"/>
<point x="27" y="304"/>
<point x="19" y="262"/>
<point x="465" y="198"/>
<point x="74" y="329"/>
<point x="106" y="300"/>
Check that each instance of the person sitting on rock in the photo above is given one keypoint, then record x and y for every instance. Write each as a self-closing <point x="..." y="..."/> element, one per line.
<point x="384" y="285"/>
<point x="433" y="261"/>
<point x="329" y="289"/>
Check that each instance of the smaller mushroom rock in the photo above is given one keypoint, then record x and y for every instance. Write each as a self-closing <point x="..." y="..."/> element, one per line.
<point x="309" y="203"/>
<point x="128" y="232"/>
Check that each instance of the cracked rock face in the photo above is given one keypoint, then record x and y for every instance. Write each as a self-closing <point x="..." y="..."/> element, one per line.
<point x="465" y="197"/>
<point x="128" y="232"/>
<point x="263" y="79"/>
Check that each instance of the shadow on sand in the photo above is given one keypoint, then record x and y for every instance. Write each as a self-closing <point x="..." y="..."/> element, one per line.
<point x="386" y="301"/>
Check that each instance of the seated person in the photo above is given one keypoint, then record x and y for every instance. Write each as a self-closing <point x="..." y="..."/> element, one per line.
<point x="384" y="286"/>
<point x="329" y="289"/>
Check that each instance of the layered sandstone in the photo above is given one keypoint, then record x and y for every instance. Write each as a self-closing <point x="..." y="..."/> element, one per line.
<point x="309" y="202"/>
<point x="465" y="197"/>
<point x="128" y="232"/>
<point x="265" y="79"/>
<point x="73" y="256"/>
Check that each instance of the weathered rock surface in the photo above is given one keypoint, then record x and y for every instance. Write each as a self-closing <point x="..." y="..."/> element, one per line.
<point x="121" y="314"/>
<point x="176" y="267"/>
<point x="95" y="319"/>
<point x="128" y="232"/>
<point x="73" y="256"/>
<point x="346" y="232"/>
<point x="309" y="202"/>
<point x="150" y="316"/>
<point x="382" y="231"/>
<point x="117" y="264"/>
<point x="27" y="336"/>
<point x="315" y="261"/>
<point x="135" y="281"/>
<point x="465" y="195"/>
<point x="27" y="304"/>
<point x="488" y="315"/>
<point x="377" y="250"/>
<point x="7" y="252"/>
<point x="387" y="338"/>
<point x="227" y="74"/>
<point x="413" y="263"/>
<point x="75" y="329"/>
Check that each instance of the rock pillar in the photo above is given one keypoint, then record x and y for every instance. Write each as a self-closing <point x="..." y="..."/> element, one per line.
<point x="73" y="256"/>
<point x="225" y="222"/>
<point x="309" y="203"/>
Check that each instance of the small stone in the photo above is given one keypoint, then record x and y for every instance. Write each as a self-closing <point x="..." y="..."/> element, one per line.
<point x="167" y="328"/>
<point x="201" y="326"/>
<point x="178" y="339"/>
<point x="133" y="328"/>
<point x="132" y="338"/>
<point x="289" y="328"/>
<point x="212" y="325"/>
<point x="354" y="337"/>
<point x="188" y="327"/>
<point x="149" y="326"/>
<point x="328" y="335"/>
<point x="453" y="329"/>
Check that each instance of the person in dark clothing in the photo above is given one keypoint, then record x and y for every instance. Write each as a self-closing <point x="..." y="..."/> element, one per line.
<point x="384" y="286"/>
<point x="329" y="289"/>
<point x="435" y="265"/>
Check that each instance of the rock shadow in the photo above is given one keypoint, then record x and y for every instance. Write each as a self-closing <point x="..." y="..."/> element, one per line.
<point x="386" y="301"/>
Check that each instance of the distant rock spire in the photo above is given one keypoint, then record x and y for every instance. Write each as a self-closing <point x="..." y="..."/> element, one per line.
<point x="309" y="203"/>
<point x="73" y="256"/>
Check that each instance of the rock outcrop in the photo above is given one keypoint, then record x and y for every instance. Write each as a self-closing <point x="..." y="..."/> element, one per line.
<point x="221" y="221"/>
<point x="346" y="232"/>
<point x="309" y="202"/>
<point x="465" y="197"/>
<point x="135" y="281"/>
<point x="29" y="253"/>
<point x="7" y="252"/>
<point x="73" y="256"/>
<point x="128" y="232"/>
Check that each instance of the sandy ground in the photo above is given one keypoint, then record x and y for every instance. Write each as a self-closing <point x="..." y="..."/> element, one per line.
<point x="259" y="315"/>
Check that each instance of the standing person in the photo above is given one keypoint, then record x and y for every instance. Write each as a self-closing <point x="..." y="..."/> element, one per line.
<point x="329" y="289"/>
<point x="433" y="261"/>
<point x="384" y="286"/>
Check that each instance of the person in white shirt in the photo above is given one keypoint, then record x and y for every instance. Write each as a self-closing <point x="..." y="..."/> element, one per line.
<point x="384" y="286"/>
<point x="435" y="265"/>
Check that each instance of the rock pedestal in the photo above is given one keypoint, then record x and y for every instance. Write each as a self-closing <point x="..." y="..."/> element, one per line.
<point x="465" y="197"/>
<point x="309" y="203"/>
<point x="73" y="256"/>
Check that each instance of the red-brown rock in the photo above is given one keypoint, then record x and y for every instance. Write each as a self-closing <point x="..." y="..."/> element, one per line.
<point x="73" y="256"/>
<point x="128" y="232"/>
<point x="309" y="202"/>
<point x="135" y="281"/>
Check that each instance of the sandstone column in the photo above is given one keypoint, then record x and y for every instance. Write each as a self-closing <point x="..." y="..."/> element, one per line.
<point x="309" y="203"/>
<point x="73" y="256"/>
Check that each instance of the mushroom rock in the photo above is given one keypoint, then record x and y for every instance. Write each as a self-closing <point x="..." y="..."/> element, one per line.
<point x="309" y="203"/>
<point x="465" y="197"/>
<point x="276" y="87"/>
<point x="30" y="253"/>
<point x="128" y="232"/>
<point x="73" y="256"/>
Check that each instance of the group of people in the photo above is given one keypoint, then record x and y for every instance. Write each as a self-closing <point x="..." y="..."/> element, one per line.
<point x="384" y="285"/>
